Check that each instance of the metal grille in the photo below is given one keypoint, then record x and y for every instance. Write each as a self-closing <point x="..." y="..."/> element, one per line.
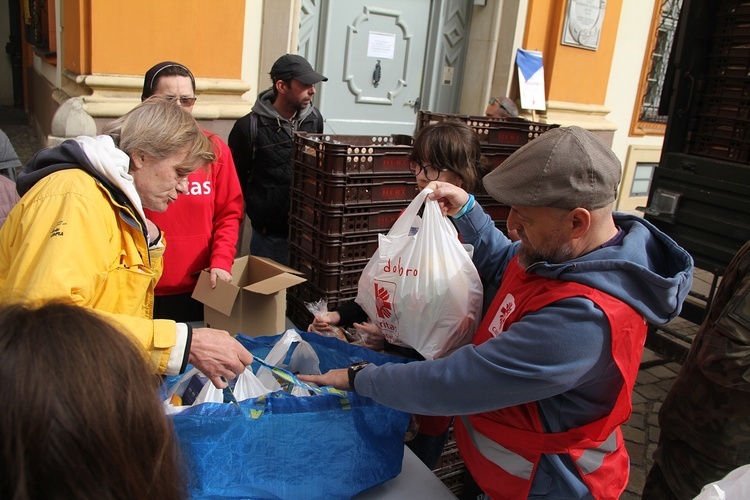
<point x="36" y="27"/>
<point x="670" y="13"/>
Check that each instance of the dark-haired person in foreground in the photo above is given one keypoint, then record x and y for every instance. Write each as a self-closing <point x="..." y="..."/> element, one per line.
<point x="542" y="392"/>
<point x="81" y="415"/>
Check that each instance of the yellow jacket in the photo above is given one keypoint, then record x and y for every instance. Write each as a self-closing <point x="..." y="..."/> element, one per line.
<point x="68" y="237"/>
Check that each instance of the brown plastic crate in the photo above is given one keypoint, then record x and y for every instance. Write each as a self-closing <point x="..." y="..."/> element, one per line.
<point x="724" y="128"/>
<point x="733" y="46"/>
<point x="495" y="131"/>
<point x="733" y="109"/>
<point x="327" y="250"/>
<point x="734" y="25"/>
<point x="354" y="154"/>
<point x="721" y="88"/>
<point x="734" y="8"/>
<point x="452" y="477"/>
<point x="335" y="220"/>
<point x="325" y="277"/>
<point x="724" y="149"/>
<point x="297" y="312"/>
<point x="731" y="67"/>
<point x="496" y="210"/>
<point x="352" y="190"/>
<point x="497" y="154"/>
<point x="311" y="293"/>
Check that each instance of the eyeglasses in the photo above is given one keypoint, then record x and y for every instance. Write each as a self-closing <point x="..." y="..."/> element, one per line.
<point x="432" y="173"/>
<point x="185" y="102"/>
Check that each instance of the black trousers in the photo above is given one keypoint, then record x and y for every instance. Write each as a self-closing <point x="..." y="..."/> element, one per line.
<point x="180" y="307"/>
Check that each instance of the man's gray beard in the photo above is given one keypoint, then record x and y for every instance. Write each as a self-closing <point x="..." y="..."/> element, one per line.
<point x="556" y="256"/>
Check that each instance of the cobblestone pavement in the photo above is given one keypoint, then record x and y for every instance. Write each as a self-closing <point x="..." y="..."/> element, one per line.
<point x="654" y="379"/>
<point x="641" y="432"/>
<point x="22" y="136"/>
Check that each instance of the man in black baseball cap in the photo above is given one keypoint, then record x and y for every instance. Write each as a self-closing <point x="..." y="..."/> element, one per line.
<point x="262" y="144"/>
<point x="293" y="66"/>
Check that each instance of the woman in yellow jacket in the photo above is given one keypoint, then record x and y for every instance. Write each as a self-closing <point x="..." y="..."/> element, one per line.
<point x="79" y="231"/>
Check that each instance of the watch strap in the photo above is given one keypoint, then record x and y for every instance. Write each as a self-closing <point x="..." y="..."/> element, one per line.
<point x="352" y="372"/>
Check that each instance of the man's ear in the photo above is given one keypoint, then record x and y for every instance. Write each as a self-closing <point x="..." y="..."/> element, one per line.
<point x="280" y="86"/>
<point x="580" y="221"/>
<point x="136" y="160"/>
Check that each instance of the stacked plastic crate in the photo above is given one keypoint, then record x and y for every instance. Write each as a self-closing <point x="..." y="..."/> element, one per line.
<point x="721" y="128"/>
<point x="345" y="190"/>
<point x="499" y="138"/>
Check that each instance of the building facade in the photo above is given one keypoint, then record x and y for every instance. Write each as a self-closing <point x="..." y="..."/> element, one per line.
<point x="600" y="60"/>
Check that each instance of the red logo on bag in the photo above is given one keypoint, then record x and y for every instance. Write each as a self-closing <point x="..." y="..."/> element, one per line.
<point x="383" y="302"/>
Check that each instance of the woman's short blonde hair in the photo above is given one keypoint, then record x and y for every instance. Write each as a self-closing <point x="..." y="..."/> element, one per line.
<point x="159" y="128"/>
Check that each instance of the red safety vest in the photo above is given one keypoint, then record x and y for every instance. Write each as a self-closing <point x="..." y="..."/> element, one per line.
<point x="502" y="448"/>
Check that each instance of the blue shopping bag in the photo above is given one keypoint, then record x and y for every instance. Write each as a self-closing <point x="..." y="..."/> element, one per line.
<point x="282" y="446"/>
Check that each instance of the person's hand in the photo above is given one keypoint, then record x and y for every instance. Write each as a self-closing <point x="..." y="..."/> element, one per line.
<point x="322" y="323"/>
<point x="153" y="231"/>
<point x="338" y="378"/>
<point x="217" y="354"/>
<point x="372" y="337"/>
<point x="219" y="274"/>
<point x="450" y="197"/>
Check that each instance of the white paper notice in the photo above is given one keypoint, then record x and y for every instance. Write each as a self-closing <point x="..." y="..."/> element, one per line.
<point x="381" y="45"/>
<point x="448" y="75"/>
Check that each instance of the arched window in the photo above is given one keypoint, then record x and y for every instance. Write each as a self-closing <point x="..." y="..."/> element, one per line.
<point x="646" y="118"/>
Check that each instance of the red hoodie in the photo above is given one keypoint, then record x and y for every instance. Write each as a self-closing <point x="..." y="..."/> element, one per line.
<point x="201" y="228"/>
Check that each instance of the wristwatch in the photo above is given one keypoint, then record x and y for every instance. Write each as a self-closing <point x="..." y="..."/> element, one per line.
<point x="352" y="372"/>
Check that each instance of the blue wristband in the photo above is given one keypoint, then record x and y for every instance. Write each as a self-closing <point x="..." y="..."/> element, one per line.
<point x="466" y="208"/>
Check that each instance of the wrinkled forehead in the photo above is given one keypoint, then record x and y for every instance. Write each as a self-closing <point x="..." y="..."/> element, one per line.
<point x="174" y="85"/>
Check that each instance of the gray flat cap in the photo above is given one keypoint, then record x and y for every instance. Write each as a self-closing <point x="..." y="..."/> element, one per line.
<point x="566" y="167"/>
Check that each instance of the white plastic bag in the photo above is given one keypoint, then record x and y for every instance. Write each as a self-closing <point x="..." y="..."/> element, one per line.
<point x="422" y="289"/>
<point x="248" y="386"/>
<point x="208" y="393"/>
<point x="734" y="486"/>
<point x="303" y="360"/>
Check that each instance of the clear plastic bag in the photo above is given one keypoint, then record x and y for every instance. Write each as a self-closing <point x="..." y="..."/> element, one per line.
<point x="317" y="308"/>
<point x="320" y="308"/>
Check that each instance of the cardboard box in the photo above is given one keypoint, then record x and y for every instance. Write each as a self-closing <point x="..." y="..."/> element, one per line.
<point x="254" y="303"/>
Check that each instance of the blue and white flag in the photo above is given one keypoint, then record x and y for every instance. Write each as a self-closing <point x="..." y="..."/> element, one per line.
<point x="531" y="79"/>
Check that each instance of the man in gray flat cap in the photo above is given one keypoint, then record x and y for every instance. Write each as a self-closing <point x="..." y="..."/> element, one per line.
<point x="543" y="390"/>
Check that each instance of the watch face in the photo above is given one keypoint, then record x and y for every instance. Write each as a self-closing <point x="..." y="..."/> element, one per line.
<point x="353" y="369"/>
